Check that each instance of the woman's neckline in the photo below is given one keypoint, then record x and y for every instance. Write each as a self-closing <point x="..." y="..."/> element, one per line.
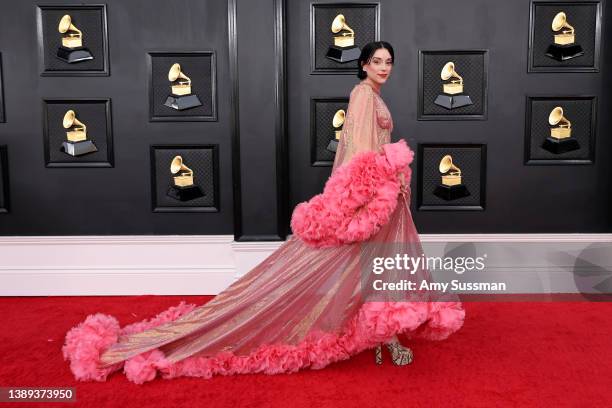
<point x="371" y="86"/>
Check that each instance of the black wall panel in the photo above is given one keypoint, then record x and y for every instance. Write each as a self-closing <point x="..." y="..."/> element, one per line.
<point x="1" y="93"/>
<point x="262" y="126"/>
<point x="519" y="198"/>
<point x="91" y="20"/>
<point x="111" y="200"/>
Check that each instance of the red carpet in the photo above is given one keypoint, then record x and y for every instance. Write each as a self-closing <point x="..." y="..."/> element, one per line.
<point x="507" y="354"/>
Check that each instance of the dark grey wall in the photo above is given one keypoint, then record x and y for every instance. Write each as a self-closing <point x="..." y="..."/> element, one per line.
<point x="263" y="109"/>
<point x="263" y="206"/>
<point x="116" y="200"/>
<point x="519" y="198"/>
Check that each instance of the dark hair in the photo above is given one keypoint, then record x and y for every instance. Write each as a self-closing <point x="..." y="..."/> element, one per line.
<point x="368" y="51"/>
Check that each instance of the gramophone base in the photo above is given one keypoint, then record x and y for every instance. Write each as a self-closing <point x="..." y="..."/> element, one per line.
<point x="78" y="148"/>
<point x="185" y="193"/>
<point x="449" y="193"/>
<point x="183" y="102"/>
<point x="332" y="146"/>
<point x="453" y="101"/>
<point x="558" y="146"/>
<point x="343" y="54"/>
<point x="72" y="55"/>
<point x="564" y="52"/>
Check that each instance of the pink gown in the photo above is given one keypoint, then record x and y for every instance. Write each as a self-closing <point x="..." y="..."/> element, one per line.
<point x="301" y="307"/>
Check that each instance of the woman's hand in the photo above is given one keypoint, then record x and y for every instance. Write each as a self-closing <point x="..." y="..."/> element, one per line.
<point x="403" y="187"/>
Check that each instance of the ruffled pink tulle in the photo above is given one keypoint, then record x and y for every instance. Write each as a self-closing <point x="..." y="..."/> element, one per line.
<point x="357" y="200"/>
<point x="86" y="342"/>
<point x="375" y="322"/>
<point x="366" y="185"/>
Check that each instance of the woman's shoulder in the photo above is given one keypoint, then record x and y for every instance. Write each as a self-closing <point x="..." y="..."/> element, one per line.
<point x="363" y="86"/>
<point x="362" y="89"/>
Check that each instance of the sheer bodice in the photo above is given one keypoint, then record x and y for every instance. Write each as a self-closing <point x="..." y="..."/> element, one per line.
<point x="367" y="126"/>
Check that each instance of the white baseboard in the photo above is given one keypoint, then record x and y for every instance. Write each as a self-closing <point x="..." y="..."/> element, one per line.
<point x="116" y="265"/>
<point x="195" y="265"/>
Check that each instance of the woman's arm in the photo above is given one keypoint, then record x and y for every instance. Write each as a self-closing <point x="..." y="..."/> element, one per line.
<point x="402" y="180"/>
<point x="359" y="130"/>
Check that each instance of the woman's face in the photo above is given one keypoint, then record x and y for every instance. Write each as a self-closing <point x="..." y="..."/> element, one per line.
<point x="379" y="67"/>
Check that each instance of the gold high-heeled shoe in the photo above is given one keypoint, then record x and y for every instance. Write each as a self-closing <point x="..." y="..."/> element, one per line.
<point x="400" y="355"/>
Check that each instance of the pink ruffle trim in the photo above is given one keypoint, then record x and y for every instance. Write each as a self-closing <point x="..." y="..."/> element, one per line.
<point x="86" y="342"/>
<point x="375" y="322"/>
<point x="357" y="200"/>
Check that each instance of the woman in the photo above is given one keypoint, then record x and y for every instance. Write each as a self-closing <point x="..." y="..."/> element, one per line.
<point x="303" y="306"/>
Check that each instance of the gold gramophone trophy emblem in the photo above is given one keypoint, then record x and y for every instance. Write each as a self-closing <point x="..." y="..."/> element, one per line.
<point x="183" y="187"/>
<point x="564" y="46"/>
<point x="337" y="123"/>
<point x="180" y="85"/>
<point x="560" y="139"/>
<point x="77" y="143"/>
<point x="72" y="49"/>
<point x="344" y="48"/>
<point x="451" y="186"/>
<point x="452" y="88"/>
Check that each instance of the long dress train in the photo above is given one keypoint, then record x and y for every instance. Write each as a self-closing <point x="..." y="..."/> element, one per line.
<point x="300" y="307"/>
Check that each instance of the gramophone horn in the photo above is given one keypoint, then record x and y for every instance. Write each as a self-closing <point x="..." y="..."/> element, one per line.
<point x="555" y="115"/>
<point x="559" y="21"/>
<point x="338" y="119"/>
<point x="175" y="71"/>
<point x="446" y="164"/>
<point x="338" y="23"/>
<point x="176" y="165"/>
<point x="65" y="25"/>
<point x="556" y="118"/>
<point x="69" y="119"/>
<point x="447" y="70"/>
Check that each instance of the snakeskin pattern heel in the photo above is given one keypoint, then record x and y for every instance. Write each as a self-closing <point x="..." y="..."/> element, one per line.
<point x="378" y="354"/>
<point x="400" y="355"/>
